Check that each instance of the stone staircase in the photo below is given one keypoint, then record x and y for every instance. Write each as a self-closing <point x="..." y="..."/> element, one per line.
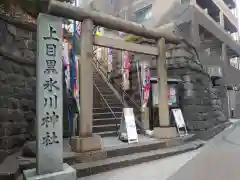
<point x="107" y="112"/>
<point x="114" y="155"/>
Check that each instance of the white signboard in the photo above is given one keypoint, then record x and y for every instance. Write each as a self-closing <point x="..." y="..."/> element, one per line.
<point x="49" y="95"/>
<point x="177" y="113"/>
<point x="130" y="125"/>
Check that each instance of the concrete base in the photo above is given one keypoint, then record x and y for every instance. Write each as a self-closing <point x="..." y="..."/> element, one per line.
<point x="85" y="144"/>
<point x="68" y="173"/>
<point x="145" y="118"/>
<point x="165" y="132"/>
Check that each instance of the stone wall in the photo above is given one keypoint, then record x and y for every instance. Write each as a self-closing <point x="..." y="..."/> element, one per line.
<point x="17" y="87"/>
<point x="201" y="103"/>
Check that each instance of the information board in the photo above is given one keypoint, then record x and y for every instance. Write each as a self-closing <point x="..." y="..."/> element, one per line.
<point x="180" y="123"/>
<point x="130" y="125"/>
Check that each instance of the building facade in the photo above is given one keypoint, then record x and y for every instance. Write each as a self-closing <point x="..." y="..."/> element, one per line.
<point x="212" y="25"/>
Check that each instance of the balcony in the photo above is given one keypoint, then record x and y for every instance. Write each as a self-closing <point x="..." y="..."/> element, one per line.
<point x="230" y="3"/>
<point x="210" y="8"/>
<point x="229" y="26"/>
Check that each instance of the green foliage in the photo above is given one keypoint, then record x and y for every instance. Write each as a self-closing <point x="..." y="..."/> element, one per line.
<point x="132" y="38"/>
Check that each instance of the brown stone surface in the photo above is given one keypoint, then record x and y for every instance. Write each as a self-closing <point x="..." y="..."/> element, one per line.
<point x="165" y="132"/>
<point x="85" y="144"/>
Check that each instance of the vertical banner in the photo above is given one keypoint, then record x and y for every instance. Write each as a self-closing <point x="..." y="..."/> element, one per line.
<point x="99" y="53"/>
<point x="66" y="64"/>
<point x="78" y="24"/>
<point x="145" y="74"/>
<point x="172" y="96"/>
<point x="76" y="83"/>
<point x="125" y="70"/>
<point x="110" y="59"/>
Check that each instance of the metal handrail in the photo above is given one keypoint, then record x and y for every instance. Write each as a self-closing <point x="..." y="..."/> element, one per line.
<point x="125" y="93"/>
<point x="99" y="68"/>
<point x="105" y="102"/>
<point x="131" y="99"/>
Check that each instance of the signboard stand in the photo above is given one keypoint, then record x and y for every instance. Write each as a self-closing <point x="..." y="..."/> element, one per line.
<point x="180" y="123"/>
<point x="128" y="130"/>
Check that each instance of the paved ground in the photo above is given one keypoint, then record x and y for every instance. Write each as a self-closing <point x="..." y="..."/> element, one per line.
<point x="147" y="171"/>
<point x="219" y="160"/>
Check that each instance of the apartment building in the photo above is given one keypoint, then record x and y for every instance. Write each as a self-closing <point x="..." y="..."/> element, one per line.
<point x="212" y="25"/>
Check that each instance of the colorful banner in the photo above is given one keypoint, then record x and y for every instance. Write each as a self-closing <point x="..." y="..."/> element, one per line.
<point x="110" y="59"/>
<point x="172" y="96"/>
<point x="76" y="82"/>
<point x="126" y="68"/>
<point x="66" y="64"/>
<point x="145" y="74"/>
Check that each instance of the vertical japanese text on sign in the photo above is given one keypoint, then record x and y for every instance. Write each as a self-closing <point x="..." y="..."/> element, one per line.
<point x="50" y="85"/>
<point x="49" y="95"/>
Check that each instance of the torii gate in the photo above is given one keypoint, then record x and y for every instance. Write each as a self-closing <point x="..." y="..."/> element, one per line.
<point x="87" y="141"/>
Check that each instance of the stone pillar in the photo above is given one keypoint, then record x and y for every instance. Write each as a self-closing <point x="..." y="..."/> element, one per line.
<point x="49" y="104"/>
<point x="164" y="131"/>
<point x="86" y="141"/>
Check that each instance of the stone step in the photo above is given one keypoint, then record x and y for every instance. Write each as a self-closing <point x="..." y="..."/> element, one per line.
<point x="106" y="109"/>
<point x="110" y="101"/>
<point x="106" y="115"/>
<point x="109" y="121"/>
<point x="113" y="104"/>
<point x="95" y="167"/>
<point x="105" y="128"/>
<point x="105" y="89"/>
<point x="110" y="95"/>
<point x="100" y="82"/>
<point x="107" y="134"/>
<point x="144" y="150"/>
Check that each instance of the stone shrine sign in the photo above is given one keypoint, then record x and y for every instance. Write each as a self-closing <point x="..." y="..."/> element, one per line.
<point x="49" y="95"/>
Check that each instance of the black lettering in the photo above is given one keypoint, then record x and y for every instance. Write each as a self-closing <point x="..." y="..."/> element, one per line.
<point x="46" y="120"/>
<point x="50" y="138"/>
<point x="52" y="101"/>
<point x="50" y="119"/>
<point x="51" y="34"/>
<point x="50" y="85"/>
<point x="51" y="67"/>
<point x="51" y="50"/>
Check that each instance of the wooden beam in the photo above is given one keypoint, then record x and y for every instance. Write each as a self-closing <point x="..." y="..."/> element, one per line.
<point x="69" y="11"/>
<point x="123" y="45"/>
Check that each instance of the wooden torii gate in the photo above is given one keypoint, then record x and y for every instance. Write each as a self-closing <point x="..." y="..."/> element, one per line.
<point x="87" y="141"/>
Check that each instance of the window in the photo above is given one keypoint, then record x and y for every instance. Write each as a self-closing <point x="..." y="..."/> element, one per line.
<point x="143" y="14"/>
